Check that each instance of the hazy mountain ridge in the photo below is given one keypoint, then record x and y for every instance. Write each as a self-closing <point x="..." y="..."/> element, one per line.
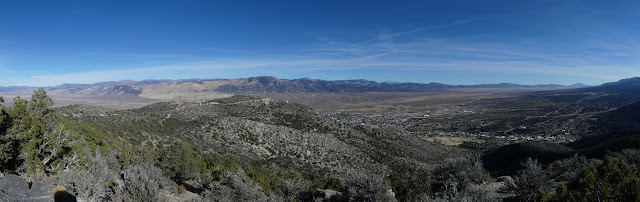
<point x="252" y="85"/>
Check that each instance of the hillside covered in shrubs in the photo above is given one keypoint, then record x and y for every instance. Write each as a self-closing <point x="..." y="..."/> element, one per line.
<point x="247" y="148"/>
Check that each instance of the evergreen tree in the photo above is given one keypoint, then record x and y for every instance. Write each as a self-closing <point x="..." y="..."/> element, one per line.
<point x="608" y="181"/>
<point x="181" y="162"/>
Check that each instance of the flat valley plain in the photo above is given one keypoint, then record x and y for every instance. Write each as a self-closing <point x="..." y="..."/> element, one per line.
<point x="396" y="102"/>
<point x="366" y="102"/>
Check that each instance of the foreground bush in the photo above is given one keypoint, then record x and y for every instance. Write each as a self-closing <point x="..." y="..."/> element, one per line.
<point x="180" y="162"/>
<point x="607" y="181"/>
<point x="35" y="141"/>
<point x="142" y="182"/>
<point x="237" y="186"/>
<point x="91" y="184"/>
<point x="410" y="185"/>
<point x="359" y="187"/>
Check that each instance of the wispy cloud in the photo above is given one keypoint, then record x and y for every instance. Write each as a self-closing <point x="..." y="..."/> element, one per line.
<point x="317" y="66"/>
<point x="412" y="59"/>
<point x="413" y="31"/>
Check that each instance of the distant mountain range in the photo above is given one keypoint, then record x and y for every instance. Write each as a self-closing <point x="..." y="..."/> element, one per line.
<point x="159" y="89"/>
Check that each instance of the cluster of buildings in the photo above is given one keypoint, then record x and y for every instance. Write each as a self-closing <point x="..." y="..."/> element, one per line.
<point x="430" y="124"/>
<point x="489" y="136"/>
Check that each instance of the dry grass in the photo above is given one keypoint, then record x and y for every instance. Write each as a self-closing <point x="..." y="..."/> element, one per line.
<point x="57" y="189"/>
<point x="178" y="189"/>
<point x="452" y="141"/>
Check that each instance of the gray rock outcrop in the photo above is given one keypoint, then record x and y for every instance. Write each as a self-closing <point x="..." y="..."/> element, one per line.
<point x="14" y="188"/>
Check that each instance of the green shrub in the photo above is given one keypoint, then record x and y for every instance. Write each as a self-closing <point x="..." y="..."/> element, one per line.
<point x="619" y="182"/>
<point x="268" y="185"/>
<point x="607" y="181"/>
<point x="409" y="185"/>
<point x="36" y="140"/>
<point x="180" y="162"/>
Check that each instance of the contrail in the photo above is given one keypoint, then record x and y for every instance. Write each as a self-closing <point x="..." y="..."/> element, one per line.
<point x="415" y="30"/>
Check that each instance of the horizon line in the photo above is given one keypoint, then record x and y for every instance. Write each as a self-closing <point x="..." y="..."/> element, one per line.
<point x="398" y="82"/>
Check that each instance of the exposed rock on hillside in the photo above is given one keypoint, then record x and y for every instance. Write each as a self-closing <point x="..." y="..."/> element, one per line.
<point x="14" y="188"/>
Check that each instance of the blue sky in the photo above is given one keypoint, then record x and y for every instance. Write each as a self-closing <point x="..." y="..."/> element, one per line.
<point x="454" y="42"/>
